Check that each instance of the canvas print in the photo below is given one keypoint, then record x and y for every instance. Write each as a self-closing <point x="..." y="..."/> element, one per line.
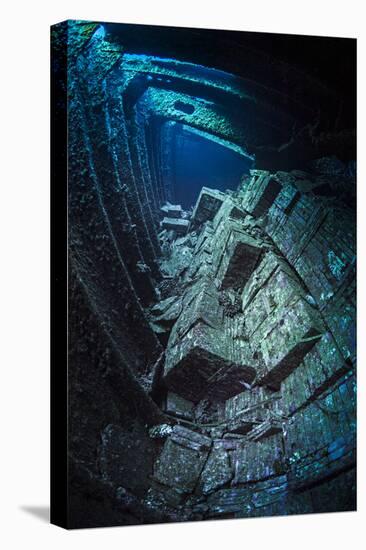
<point x="204" y="259"/>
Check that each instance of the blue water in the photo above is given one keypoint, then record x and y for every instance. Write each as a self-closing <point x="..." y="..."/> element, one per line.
<point x="199" y="162"/>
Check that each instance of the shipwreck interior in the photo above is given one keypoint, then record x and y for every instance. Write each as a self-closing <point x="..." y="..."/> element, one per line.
<point x="211" y="236"/>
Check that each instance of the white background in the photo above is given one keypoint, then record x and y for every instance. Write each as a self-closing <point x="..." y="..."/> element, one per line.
<point x="24" y="253"/>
